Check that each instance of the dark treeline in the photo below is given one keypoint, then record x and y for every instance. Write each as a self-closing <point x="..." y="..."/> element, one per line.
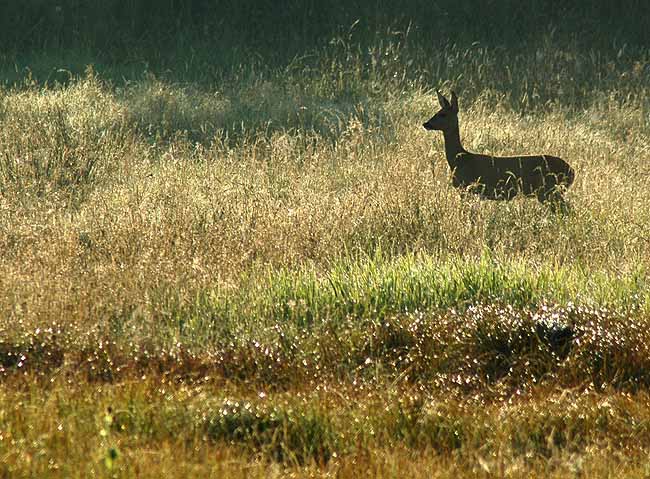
<point x="277" y="31"/>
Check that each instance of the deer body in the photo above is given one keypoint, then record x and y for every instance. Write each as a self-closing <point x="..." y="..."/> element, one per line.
<point x="499" y="178"/>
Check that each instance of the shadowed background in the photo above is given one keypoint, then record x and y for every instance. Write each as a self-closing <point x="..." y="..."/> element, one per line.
<point x="211" y="41"/>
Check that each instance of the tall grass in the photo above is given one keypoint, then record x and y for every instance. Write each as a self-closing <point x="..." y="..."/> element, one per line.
<point x="110" y="199"/>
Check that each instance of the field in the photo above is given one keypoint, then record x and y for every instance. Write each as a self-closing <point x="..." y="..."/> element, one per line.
<point x="229" y="248"/>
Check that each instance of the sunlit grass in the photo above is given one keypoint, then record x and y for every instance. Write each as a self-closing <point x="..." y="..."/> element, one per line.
<point x="146" y="427"/>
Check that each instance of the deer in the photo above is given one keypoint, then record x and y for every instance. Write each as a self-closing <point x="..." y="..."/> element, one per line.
<point x="499" y="178"/>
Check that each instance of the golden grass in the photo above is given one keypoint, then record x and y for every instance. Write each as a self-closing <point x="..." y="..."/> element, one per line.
<point x="150" y="428"/>
<point x="187" y="216"/>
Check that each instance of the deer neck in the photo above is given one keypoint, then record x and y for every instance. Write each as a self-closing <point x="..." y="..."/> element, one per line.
<point x="452" y="145"/>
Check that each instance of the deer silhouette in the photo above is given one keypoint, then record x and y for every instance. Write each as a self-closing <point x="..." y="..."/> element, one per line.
<point x="499" y="178"/>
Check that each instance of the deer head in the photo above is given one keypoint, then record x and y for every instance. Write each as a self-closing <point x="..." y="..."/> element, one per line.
<point x="446" y="118"/>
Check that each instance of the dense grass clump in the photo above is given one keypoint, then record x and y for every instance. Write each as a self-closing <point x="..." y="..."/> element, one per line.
<point x="285" y="434"/>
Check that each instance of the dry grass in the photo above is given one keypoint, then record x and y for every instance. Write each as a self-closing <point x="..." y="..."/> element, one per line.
<point x="97" y="218"/>
<point x="151" y="428"/>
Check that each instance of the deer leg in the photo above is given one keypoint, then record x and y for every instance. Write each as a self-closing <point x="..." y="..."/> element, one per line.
<point x="465" y="194"/>
<point x="563" y="206"/>
<point x="554" y="199"/>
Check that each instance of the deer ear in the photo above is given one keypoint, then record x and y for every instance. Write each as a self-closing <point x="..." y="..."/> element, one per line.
<point x="443" y="101"/>
<point x="454" y="102"/>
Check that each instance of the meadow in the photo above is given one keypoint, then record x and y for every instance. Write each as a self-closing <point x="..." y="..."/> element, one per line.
<point x="230" y="249"/>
